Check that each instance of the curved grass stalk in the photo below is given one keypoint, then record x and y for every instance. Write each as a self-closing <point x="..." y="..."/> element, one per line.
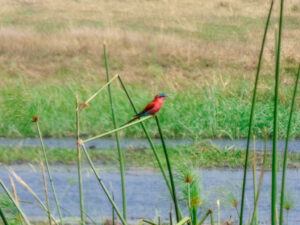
<point x="24" y="184"/>
<point x="3" y="217"/>
<point x="115" y="130"/>
<point x="204" y="217"/>
<point x="212" y="218"/>
<point x="178" y="216"/>
<point x="120" y="153"/>
<point x="84" y="104"/>
<point x="15" y="203"/>
<point x="49" y="173"/>
<point x="146" y="221"/>
<point x="286" y="149"/>
<point x="79" y="164"/>
<point x="184" y="220"/>
<point x="252" y="113"/>
<point x="102" y="184"/>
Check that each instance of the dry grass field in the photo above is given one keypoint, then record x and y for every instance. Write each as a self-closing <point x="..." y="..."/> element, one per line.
<point x="171" y="46"/>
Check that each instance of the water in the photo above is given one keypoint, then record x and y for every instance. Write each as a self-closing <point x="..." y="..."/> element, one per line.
<point x="147" y="194"/>
<point x="294" y="145"/>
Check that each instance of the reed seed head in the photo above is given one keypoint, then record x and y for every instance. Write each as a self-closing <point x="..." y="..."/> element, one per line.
<point x="35" y="119"/>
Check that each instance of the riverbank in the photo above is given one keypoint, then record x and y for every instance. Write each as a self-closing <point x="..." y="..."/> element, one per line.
<point x="202" y="156"/>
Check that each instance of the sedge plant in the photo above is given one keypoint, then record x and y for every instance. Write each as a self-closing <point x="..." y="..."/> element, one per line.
<point x="252" y="112"/>
<point x="282" y="197"/>
<point x="120" y="153"/>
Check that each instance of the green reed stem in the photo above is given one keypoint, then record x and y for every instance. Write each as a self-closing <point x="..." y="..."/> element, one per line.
<point x="149" y="138"/>
<point x="194" y="215"/>
<point x="184" y="220"/>
<point x="49" y="173"/>
<point x="260" y="179"/>
<point x="212" y="217"/>
<point x="102" y="185"/>
<point x="170" y="215"/>
<point x="178" y="217"/>
<point x="115" y="130"/>
<point x="204" y="217"/>
<point x="46" y="192"/>
<point x="252" y="112"/>
<point x="79" y="164"/>
<point x="254" y="180"/>
<point x="275" y="121"/>
<point x="15" y="203"/>
<point x="3" y="217"/>
<point x="121" y="158"/>
<point x="100" y="89"/>
<point x="24" y="184"/>
<point x="286" y="148"/>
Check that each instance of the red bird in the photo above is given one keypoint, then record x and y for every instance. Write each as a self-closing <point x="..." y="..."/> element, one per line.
<point x="153" y="107"/>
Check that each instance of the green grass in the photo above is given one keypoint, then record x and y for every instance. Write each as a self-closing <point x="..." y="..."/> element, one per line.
<point x="198" y="155"/>
<point x="212" y="111"/>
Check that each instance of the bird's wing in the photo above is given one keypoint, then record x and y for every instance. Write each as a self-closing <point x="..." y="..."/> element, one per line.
<point x="147" y="108"/>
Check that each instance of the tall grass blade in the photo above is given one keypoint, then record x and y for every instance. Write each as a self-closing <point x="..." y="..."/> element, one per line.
<point x="148" y="137"/>
<point x="178" y="216"/>
<point x="82" y="216"/>
<point x="3" y="217"/>
<point x="146" y="221"/>
<point x="49" y="173"/>
<point x="275" y="119"/>
<point x="46" y="192"/>
<point x="212" y="217"/>
<point x="25" y="185"/>
<point x="184" y="220"/>
<point x="120" y="153"/>
<point x="263" y="167"/>
<point x="204" y="217"/>
<point x="15" y="203"/>
<point x="84" y="104"/>
<point x="102" y="184"/>
<point x="286" y="149"/>
<point x="252" y="113"/>
<point x="254" y="180"/>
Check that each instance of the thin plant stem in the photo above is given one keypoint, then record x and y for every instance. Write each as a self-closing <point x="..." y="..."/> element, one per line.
<point x="275" y="120"/>
<point x="194" y="215"/>
<point x="286" y="149"/>
<point x="212" y="217"/>
<point x="146" y="221"/>
<point x="254" y="180"/>
<point x="24" y="184"/>
<point x="252" y="113"/>
<point x="184" y="220"/>
<point x="204" y="217"/>
<point x="115" y="130"/>
<point x="82" y="216"/>
<point x="102" y="184"/>
<point x="149" y="138"/>
<point x="170" y="215"/>
<point x="178" y="218"/>
<point x="14" y="192"/>
<point x="100" y="89"/>
<point x="46" y="192"/>
<point x="113" y="210"/>
<point x="3" y="217"/>
<point x="260" y="177"/>
<point x="49" y="173"/>
<point x="15" y="203"/>
<point x="120" y="153"/>
<point x="218" y="207"/>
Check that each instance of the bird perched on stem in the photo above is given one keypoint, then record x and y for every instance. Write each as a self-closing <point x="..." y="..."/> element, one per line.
<point x="153" y="107"/>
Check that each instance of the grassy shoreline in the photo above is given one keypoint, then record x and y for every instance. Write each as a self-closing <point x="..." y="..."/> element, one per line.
<point x="196" y="155"/>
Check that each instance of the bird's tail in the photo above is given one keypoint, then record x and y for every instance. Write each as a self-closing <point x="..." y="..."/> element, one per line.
<point x="133" y="119"/>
